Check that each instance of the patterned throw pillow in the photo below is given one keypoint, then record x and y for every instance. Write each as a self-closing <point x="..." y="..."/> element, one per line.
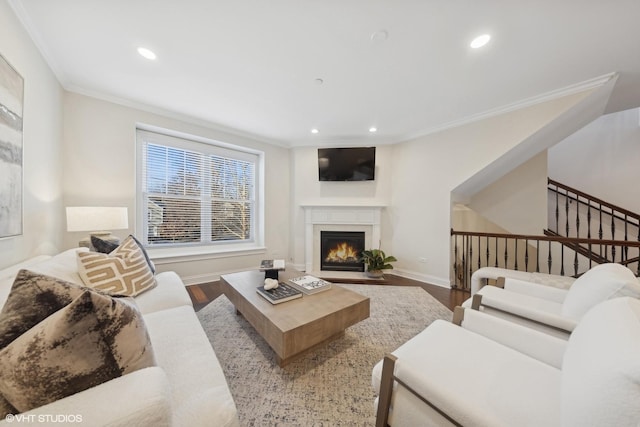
<point x="144" y="252"/>
<point x="93" y="339"/>
<point x="33" y="298"/>
<point x="124" y="271"/>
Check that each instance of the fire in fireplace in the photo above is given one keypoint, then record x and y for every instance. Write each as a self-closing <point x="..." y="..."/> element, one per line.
<point x="340" y="250"/>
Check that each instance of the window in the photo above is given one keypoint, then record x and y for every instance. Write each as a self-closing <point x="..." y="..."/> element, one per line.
<point x="194" y="192"/>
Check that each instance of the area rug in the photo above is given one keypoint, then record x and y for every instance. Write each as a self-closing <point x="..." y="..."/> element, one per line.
<point x="330" y="386"/>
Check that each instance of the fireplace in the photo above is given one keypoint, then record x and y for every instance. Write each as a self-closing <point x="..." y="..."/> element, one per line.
<point x="340" y="250"/>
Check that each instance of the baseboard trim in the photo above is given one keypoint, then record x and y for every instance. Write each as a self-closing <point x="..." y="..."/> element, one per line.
<point x="425" y="278"/>
<point x="420" y="277"/>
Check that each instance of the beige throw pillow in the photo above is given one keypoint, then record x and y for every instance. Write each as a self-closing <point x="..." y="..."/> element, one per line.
<point x="93" y="339"/>
<point x="124" y="271"/>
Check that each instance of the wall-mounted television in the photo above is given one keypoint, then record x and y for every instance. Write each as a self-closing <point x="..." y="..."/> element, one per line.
<point x="347" y="164"/>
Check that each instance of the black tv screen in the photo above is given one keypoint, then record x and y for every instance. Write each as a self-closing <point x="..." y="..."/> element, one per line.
<point x="347" y="164"/>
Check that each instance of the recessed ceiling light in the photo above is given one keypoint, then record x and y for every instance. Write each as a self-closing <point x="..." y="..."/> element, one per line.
<point x="314" y="130"/>
<point x="480" y="41"/>
<point x="319" y="81"/>
<point x="146" y="53"/>
<point x="373" y="129"/>
<point x="379" y="36"/>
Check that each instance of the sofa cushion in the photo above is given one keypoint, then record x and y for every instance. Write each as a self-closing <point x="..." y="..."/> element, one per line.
<point x="601" y="367"/>
<point x="182" y="348"/>
<point x="33" y="298"/>
<point x="89" y="341"/>
<point x="600" y="283"/>
<point x="63" y="266"/>
<point x="169" y="293"/>
<point x="125" y="271"/>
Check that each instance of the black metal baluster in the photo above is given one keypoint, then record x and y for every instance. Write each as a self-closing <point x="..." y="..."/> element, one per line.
<point x="515" y="263"/>
<point x="506" y="256"/>
<point x="455" y="261"/>
<point x="487" y="244"/>
<point x="470" y="258"/>
<point x="549" y="260"/>
<point x="562" y="259"/>
<point x="577" y="216"/>
<point x="625" y="250"/>
<point x="526" y="255"/>
<point x="566" y="212"/>
<point x="557" y="230"/>
<point x="537" y="256"/>
<point x="600" y="228"/>
<point x="464" y="262"/>
<point x="575" y="264"/>
<point x="588" y="218"/>
<point x="496" y="264"/>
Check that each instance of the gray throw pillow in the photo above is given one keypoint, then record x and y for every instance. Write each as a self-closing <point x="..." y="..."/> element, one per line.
<point x="33" y="298"/>
<point x="102" y="246"/>
<point x="93" y="339"/>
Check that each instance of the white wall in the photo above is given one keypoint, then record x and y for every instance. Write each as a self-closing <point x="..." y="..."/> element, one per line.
<point x="99" y="170"/>
<point x="602" y="159"/>
<point x="42" y="140"/>
<point x="517" y="202"/>
<point x="426" y="170"/>
<point x="307" y="189"/>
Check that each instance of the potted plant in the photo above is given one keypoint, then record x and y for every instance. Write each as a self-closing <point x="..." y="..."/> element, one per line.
<point x="376" y="261"/>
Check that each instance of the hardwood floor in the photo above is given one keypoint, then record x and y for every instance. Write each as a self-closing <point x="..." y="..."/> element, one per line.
<point x="203" y="294"/>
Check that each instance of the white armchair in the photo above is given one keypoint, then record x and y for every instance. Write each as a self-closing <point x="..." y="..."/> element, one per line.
<point x="491" y="372"/>
<point x="549" y="303"/>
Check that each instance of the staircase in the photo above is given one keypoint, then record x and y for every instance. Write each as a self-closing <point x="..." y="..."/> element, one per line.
<point x="583" y="231"/>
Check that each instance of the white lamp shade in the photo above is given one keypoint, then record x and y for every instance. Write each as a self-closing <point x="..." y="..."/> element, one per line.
<point x="85" y="218"/>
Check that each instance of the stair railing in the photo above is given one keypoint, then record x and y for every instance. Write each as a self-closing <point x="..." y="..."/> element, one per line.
<point x="572" y="206"/>
<point x="542" y="254"/>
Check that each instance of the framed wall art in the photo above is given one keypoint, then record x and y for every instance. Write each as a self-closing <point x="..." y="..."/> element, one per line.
<point x="11" y="187"/>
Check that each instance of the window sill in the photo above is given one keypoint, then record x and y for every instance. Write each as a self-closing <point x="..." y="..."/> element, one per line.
<point x="199" y="253"/>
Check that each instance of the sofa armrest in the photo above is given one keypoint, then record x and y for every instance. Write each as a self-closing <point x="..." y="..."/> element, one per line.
<point x="137" y="399"/>
<point x="535" y="289"/>
<point x="478" y="278"/>
<point x="538" y="345"/>
<point x="526" y="307"/>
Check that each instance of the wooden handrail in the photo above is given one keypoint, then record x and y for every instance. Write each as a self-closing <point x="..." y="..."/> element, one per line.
<point x="567" y="240"/>
<point x="594" y="199"/>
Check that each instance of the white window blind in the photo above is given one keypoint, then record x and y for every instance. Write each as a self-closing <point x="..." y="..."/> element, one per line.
<point x="195" y="192"/>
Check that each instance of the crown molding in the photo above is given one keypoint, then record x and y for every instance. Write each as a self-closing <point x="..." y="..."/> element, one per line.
<point x="529" y="102"/>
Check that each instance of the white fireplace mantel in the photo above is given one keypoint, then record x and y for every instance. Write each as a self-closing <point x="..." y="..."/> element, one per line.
<point x="360" y="215"/>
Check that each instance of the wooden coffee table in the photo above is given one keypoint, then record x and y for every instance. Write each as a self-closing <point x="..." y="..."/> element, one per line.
<point x="294" y="327"/>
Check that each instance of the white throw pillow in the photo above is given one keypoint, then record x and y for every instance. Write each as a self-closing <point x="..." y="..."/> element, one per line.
<point x="599" y="284"/>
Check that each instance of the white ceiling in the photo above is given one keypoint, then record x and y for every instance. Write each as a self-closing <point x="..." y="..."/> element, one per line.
<point x="252" y="65"/>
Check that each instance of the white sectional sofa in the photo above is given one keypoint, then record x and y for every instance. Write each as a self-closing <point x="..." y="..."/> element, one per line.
<point x="186" y="388"/>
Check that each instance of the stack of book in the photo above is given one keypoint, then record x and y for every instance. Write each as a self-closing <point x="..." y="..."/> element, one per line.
<point x="272" y="264"/>
<point x="310" y="284"/>
<point x="282" y="293"/>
